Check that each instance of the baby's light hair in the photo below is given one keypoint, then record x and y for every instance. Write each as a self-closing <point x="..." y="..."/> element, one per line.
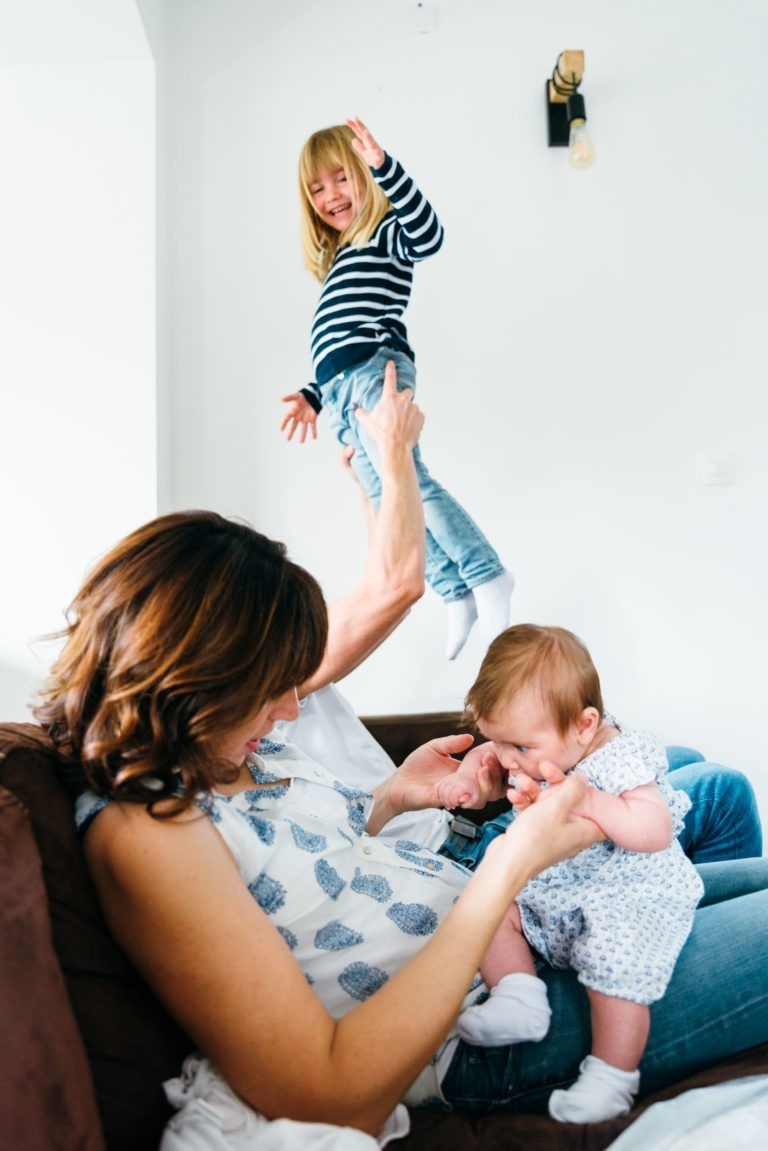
<point x="331" y="148"/>
<point x="549" y="661"/>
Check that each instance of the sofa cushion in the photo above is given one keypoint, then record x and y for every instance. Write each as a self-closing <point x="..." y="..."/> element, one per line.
<point x="47" y="1100"/>
<point x="131" y="1041"/>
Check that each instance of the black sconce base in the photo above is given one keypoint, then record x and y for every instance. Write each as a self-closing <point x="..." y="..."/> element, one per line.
<point x="557" y="121"/>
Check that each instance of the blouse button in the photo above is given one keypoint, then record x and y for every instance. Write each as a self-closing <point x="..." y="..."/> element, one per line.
<point x="318" y="771"/>
<point x="367" y="850"/>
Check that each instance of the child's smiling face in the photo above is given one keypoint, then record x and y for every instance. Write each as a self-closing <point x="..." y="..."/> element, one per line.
<point x="336" y="199"/>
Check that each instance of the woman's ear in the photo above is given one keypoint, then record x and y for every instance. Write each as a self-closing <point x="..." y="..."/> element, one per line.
<point x="587" y="724"/>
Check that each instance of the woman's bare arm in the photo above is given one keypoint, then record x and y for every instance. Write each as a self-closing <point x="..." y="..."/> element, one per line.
<point x="638" y="819"/>
<point x="393" y="579"/>
<point x="179" y="908"/>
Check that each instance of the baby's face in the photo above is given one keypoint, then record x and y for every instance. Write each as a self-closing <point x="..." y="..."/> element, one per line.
<point x="524" y="736"/>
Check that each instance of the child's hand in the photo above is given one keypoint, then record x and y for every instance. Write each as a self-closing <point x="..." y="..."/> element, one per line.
<point x="365" y="144"/>
<point x="301" y="415"/>
<point x="457" y="790"/>
<point x="526" y="791"/>
<point x="414" y="783"/>
<point x="551" y="831"/>
<point x="478" y="781"/>
<point x="523" y="791"/>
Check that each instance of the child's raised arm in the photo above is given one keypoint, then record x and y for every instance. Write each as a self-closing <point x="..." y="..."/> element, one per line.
<point x="365" y="145"/>
<point x="420" y="232"/>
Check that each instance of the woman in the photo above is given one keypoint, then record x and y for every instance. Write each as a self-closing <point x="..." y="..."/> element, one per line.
<point x="183" y="649"/>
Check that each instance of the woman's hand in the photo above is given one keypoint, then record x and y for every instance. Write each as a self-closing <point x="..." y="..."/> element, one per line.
<point x="393" y="579"/>
<point x="412" y="786"/>
<point x="300" y="415"/>
<point x="551" y="828"/>
<point x="395" y="420"/>
<point x="527" y="790"/>
<point x="364" y="143"/>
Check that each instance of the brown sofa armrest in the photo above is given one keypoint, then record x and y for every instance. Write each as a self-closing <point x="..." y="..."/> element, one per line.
<point x="400" y="734"/>
<point x="47" y="1101"/>
<point x="131" y="1042"/>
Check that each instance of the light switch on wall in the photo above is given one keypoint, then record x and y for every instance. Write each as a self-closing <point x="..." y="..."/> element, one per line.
<point x="716" y="468"/>
<point x="423" y="18"/>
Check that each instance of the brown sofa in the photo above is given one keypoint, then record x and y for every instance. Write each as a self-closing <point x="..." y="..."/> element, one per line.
<point x="86" y="1046"/>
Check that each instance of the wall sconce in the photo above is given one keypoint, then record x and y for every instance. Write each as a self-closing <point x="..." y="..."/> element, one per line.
<point x="566" y="114"/>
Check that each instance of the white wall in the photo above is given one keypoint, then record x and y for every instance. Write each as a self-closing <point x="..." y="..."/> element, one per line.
<point x="77" y="297"/>
<point x="585" y="340"/>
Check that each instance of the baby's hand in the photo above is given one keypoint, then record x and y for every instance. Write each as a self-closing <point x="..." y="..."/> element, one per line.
<point x="457" y="790"/>
<point x="478" y="781"/>
<point x="300" y="415"/>
<point x="525" y="791"/>
<point x="551" y="831"/>
<point x="413" y="784"/>
<point x="365" y="144"/>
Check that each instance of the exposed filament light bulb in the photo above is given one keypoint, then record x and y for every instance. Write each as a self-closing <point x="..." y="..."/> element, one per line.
<point x="581" y="149"/>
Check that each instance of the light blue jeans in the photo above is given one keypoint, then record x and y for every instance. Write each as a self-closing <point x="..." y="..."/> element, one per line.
<point x="459" y="557"/>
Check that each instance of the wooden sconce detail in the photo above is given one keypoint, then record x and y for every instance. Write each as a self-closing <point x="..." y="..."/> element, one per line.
<point x="565" y="79"/>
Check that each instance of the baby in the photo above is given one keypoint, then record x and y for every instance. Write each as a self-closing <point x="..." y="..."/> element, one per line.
<point x="620" y="911"/>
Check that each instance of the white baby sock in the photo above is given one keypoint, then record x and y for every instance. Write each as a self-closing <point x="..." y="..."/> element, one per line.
<point x="517" y="1012"/>
<point x="462" y="613"/>
<point x="492" y="599"/>
<point x="600" y="1092"/>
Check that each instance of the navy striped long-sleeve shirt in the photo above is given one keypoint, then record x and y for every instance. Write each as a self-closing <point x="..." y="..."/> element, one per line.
<point x="367" y="290"/>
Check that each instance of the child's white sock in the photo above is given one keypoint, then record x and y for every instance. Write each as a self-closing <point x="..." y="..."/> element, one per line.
<point x="462" y="613"/>
<point x="492" y="599"/>
<point x="600" y="1092"/>
<point x="517" y="1012"/>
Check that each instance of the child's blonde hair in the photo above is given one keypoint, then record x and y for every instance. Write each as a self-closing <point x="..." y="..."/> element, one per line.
<point x="332" y="148"/>
<point x="552" y="662"/>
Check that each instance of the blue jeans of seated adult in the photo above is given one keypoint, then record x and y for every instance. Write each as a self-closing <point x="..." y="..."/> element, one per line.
<point x="459" y="557"/>
<point x="722" y="823"/>
<point x="716" y="1005"/>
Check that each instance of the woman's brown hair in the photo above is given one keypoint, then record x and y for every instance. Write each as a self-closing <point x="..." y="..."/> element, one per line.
<point x="181" y="632"/>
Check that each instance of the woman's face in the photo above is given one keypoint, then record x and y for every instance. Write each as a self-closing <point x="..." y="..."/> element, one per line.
<point x="244" y="739"/>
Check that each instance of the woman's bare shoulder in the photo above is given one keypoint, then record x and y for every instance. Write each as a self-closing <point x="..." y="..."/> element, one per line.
<point x="129" y="845"/>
